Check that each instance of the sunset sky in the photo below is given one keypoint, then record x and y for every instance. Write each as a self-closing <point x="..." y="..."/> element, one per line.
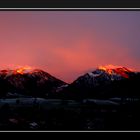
<point x="67" y="44"/>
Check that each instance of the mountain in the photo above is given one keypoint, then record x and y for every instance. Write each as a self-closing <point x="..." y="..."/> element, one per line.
<point x="103" y="75"/>
<point x="105" y="82"/>
<point x="34" y="82"/>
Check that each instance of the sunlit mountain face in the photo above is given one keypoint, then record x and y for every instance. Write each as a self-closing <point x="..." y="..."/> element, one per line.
<point x="36" y="82"/>
<point x="105" y="81"/>
<point x="111" y="69"/>
<point x="104" y="74"/>
<point x="23" y="70"/>
<point x="28" y="81"/>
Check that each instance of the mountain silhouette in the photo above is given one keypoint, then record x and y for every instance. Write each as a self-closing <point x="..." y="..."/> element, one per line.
<point x="33" y="82"/>
<point x="104" y="83"/>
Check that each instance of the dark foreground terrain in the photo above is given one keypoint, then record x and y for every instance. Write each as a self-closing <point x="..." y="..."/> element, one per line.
<point x="56" y="114"/>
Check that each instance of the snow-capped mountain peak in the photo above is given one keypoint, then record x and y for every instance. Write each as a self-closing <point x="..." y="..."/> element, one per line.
<point x="23" y="70"/>
<point x="103" y="75"/>
<point x="116" y="70"/>
<point x="27" y="80"/>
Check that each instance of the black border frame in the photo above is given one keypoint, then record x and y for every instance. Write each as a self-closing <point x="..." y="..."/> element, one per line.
<point x="69" y="4"/>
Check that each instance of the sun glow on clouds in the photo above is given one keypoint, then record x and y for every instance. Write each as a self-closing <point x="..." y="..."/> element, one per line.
<point x="67" y="63"/>
<point x="75" y="59"/>
<point x="68" y="44"/>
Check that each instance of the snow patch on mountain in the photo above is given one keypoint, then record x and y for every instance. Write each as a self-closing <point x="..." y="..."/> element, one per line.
<point x="102" y="76"/>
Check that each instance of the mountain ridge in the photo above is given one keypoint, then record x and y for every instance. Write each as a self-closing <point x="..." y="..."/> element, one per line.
<point x="31" y="82"/>
<point x="102" y="82"/>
